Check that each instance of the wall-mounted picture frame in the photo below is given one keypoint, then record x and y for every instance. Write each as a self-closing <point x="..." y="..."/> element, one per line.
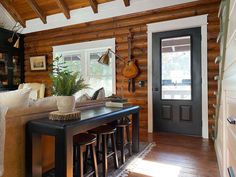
<point x="38" y="63"/>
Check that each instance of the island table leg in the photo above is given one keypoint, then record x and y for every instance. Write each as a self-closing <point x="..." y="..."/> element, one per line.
<point x="135" y="132"/>
<point x="64" y="155"/>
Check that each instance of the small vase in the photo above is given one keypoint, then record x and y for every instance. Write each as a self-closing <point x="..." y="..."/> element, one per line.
<point x="66" y="104"/>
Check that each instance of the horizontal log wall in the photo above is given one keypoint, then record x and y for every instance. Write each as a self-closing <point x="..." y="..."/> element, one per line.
<point x="40" y="43"/>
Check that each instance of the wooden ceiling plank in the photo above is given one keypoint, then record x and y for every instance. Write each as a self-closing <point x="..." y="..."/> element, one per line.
<point x="33" y="4"/>
<point x="94" y="5"/>
<point x="127" y="2"/>
<point x="13" y="12"/>
<point x="64" y="8"/>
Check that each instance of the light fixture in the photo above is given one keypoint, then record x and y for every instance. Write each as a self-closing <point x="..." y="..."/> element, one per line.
<point x="16" y="28"/>
<point x="105" y="58"/>
<point x="17" y="43"/>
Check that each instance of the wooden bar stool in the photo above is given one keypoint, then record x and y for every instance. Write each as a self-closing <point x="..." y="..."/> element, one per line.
<point x="82" y="141"/>
<point x="106" y="132"/>
<point x="122" y="128"/>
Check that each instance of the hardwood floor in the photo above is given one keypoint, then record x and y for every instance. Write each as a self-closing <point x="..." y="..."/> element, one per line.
<point x="178" y="156"/>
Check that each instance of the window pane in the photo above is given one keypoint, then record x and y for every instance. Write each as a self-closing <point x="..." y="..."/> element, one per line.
<point x="97" y="82"/>
<point x="176" y="68"/>
<point x="73" y="62"/>
<point x="97" y="69"/>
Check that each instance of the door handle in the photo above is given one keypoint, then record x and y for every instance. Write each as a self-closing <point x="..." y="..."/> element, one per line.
<point x="155" y="89"/>
<point x="231" y="120"/>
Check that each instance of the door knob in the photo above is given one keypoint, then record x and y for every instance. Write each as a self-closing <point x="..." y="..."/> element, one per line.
<point x="231" y="120"/>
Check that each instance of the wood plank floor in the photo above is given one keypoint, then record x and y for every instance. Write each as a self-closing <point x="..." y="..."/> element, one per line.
<point x="178" y="156"/>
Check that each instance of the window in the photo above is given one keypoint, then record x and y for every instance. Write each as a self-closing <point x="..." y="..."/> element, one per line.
<point x="83" y="58"/>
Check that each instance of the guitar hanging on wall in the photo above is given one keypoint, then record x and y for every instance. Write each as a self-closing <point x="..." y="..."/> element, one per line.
<point x="130" y="70"/>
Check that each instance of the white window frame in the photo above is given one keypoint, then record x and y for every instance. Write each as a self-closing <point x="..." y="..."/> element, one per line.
<point x="90" y="46"/>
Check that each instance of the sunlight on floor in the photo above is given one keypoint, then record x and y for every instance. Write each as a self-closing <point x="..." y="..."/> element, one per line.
<point x="156" y="169"/>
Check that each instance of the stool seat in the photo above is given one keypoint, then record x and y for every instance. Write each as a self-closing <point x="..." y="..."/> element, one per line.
<point x="84" y="139"/>
<point x="104" y="129"/>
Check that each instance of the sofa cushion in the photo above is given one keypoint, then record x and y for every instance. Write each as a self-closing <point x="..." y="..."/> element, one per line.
<point x="15" y="99"/>
<point x="34" y="93"/>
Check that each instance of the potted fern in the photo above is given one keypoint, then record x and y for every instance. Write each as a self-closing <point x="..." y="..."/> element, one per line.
<point x="64" y="85"/>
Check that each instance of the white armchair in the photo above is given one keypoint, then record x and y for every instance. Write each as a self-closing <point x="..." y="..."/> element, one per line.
<point x="37" y="87"/>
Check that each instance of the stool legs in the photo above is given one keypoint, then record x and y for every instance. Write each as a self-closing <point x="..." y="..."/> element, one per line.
<point x="114" y="150"/>
<point x="94" y="160"/>
<point x="104" y="155"/>
<point x="86" y="159"/>
<point x="105" y="138"/>
<point x="129" y="140"/>
<point x="122" y="144"/>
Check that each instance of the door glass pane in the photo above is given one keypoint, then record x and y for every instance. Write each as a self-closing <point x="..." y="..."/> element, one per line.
<point x="176" y="68"/>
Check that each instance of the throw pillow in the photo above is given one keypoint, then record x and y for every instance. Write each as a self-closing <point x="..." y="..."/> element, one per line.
<point x="95" y="95"/>
<point x="34" y="92"/>
<point x="101" y="94"/>
<point x="15" y="99"/>
<point x="83" y="98"/>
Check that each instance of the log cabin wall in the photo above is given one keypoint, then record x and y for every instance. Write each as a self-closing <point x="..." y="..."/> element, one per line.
<point x="40" y="43"/>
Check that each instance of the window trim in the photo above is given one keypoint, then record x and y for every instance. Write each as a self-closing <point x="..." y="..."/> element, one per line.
<point x="92" y="45"/>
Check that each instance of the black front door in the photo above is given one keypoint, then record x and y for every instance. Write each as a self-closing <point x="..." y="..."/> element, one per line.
<point x="177" y="81"/>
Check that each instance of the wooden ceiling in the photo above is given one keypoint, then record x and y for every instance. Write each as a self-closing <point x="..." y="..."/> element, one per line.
<point x="23" y="10"/>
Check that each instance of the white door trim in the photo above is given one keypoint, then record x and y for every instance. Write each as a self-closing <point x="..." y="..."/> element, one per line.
<point x="183" y="23"/>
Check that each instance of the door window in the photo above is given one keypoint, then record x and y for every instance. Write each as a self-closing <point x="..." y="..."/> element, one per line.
<point x="176" y="68"/>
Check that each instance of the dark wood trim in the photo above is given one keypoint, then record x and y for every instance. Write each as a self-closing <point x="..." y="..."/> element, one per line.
<point x="33" y="4"/>
<point x="94" y="5"/>
<point x="127" y="2"/>
<point x="12" y="11"/>
<point x="64" y="8"/>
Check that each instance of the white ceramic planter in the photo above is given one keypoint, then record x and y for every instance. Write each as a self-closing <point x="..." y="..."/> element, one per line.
<point x="66" y="104"/>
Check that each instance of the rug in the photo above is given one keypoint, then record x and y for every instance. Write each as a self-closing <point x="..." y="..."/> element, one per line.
<point x="125" y="169"/>
<point x="132" y="162"/>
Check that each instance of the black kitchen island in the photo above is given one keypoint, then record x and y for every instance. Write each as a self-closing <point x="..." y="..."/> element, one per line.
<point x="63" y="131"/>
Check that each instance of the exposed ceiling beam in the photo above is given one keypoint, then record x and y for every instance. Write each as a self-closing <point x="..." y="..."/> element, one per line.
<point x="12" y="11"/>
<point x="64" y="8"/>
<point x="33" y="4"/>
<point x="94" y="5"/>
<point x="127" y="2"/>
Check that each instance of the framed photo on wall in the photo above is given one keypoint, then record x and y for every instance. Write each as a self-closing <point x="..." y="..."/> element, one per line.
<point x="38" y="63"/>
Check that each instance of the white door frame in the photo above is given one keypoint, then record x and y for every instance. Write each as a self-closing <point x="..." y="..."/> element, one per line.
<point x="182" y="23"/>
